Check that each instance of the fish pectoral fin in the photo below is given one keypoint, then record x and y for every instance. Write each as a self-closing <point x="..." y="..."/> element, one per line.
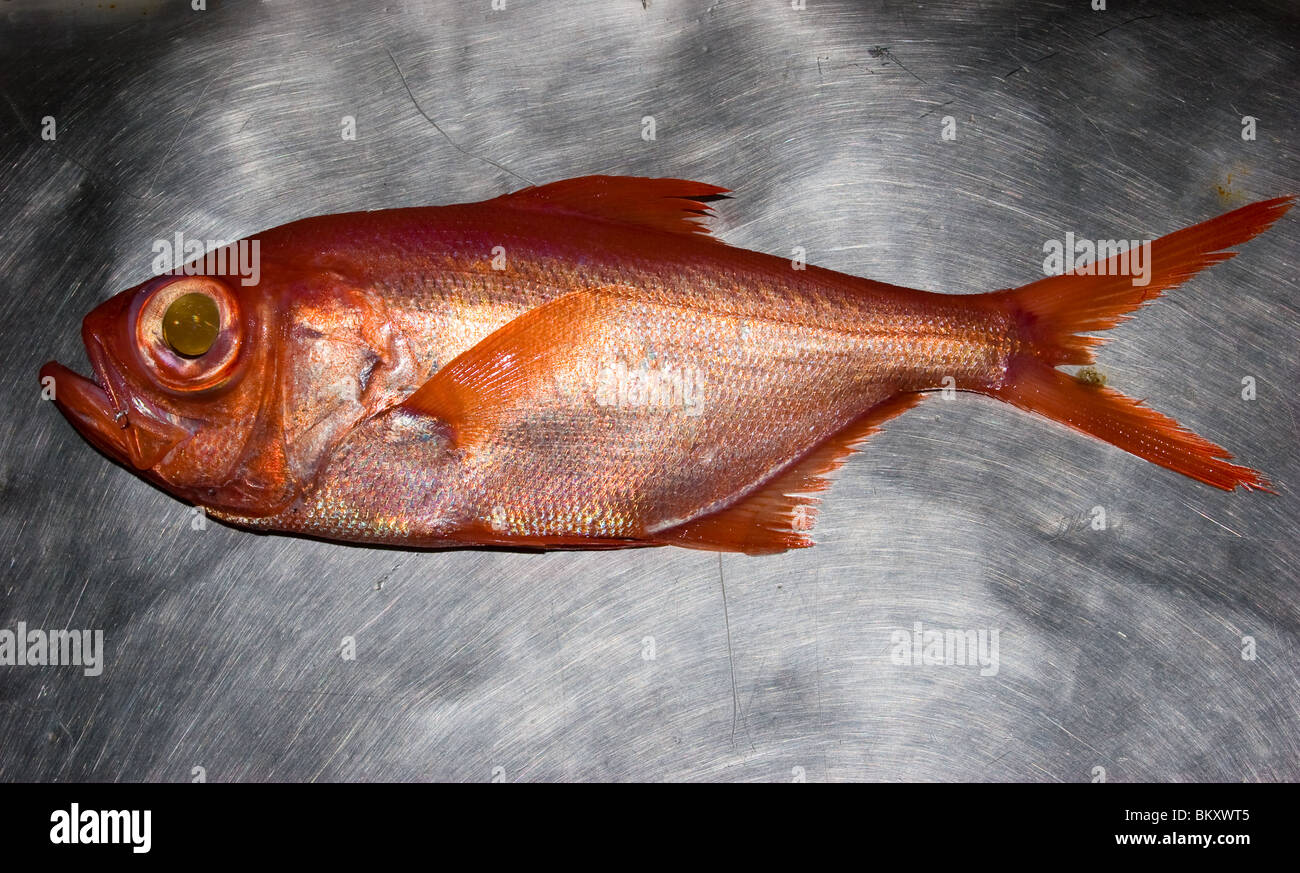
<point x="676" y="205"/>
<point x="779" y="515"/>
<point x="511" y="367"/>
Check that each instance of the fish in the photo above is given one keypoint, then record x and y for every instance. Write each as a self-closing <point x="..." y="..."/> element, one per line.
<point x="580" y="364"/>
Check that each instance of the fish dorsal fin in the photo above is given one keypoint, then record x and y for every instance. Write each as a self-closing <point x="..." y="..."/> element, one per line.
<point x="513" y="362"/>
<point x="676" y="205"/>
<point x="779" y="515"/>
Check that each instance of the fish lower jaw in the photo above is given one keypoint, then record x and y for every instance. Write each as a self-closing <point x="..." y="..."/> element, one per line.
<point x="140" y="436"/>
<point x="88" y="408"/>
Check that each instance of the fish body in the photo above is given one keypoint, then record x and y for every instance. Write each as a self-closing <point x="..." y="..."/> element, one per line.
<point x="579" y="365"/>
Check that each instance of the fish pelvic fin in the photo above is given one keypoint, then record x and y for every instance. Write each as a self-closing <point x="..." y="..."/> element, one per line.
<point x="1052" y="314"/>
<point x="780" y="513"/>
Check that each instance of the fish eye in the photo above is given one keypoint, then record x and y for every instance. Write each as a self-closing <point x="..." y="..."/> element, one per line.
<point x="188" y="332"/>
<point x="191" y="323"/>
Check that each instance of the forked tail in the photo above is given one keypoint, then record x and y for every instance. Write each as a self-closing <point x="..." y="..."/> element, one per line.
<point x="1054" y="312"/>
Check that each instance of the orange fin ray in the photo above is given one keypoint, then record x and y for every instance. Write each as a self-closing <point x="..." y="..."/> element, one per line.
<point x="1124" y="422"/>
<point x="1053" y="313"/>
<point x="780" y="513"/>
<point x="1054" y="310"/>
<point x="510" y="364"/>
<point x="675" y="205"/>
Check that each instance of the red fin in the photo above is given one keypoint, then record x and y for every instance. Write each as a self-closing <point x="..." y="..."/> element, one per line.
<point x="511" y="363"/>
<point x="675" y="205"/>
<point x="1052" y="311"/>
<point x="1123" y="421"/>
<point x="778" y="515"/>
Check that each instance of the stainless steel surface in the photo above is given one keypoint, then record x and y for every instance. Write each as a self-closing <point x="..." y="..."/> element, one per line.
<point x="1120" y="648"/>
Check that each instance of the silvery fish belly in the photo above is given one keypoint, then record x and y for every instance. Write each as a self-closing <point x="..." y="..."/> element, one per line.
<point x="577" y="365"/>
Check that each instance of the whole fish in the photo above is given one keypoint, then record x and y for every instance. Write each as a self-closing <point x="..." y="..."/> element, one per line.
<point x="578" y="365"/>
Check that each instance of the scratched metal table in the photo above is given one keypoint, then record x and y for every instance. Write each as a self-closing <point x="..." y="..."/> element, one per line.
<point x="1147" y="625"/>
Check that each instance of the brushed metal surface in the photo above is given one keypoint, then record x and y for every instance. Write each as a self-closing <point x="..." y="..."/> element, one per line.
<point x="1119" y="649"/>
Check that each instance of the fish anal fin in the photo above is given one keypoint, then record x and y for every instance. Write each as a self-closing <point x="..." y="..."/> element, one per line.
<point x="779" y="515"/>
<point x="676" y="205"/>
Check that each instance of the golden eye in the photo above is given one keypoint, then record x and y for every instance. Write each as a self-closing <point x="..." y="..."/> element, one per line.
<point x="191" y="324"/>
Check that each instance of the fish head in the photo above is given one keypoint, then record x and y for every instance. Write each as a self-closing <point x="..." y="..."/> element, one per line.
<point x="182" y="372"/>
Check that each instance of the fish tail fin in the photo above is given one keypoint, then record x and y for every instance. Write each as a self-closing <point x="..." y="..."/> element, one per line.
<point x="1054" y="312"/>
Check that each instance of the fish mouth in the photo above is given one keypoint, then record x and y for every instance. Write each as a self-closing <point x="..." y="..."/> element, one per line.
<point x="140" y="436"/>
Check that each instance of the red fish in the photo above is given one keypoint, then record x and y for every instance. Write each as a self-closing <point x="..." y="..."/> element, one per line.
<point x="579" y="365"/>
